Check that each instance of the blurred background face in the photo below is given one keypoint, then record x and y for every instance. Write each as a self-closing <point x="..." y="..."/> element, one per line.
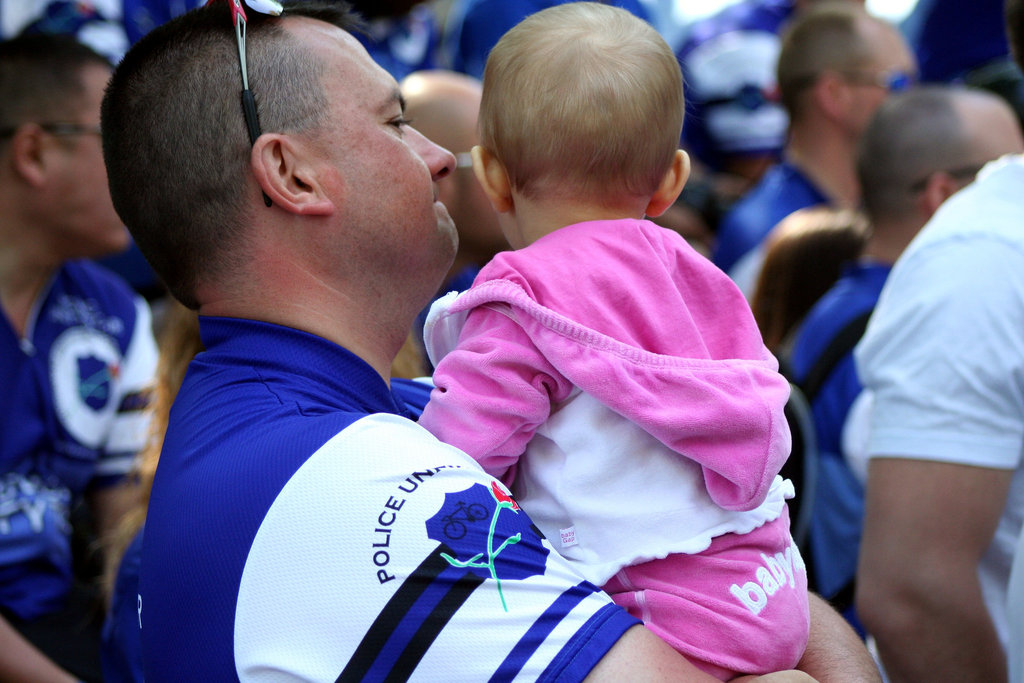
<point x="890" y="68"/>
<point x="83" y="221"/>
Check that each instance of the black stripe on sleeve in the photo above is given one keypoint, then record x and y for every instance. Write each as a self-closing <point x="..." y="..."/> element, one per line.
<point x="397" y="609"/>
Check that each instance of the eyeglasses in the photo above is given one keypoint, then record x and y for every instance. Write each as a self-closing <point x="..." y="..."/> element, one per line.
<point x="959" y="173"/>
<point x="57" y="128"/>
<point x="892" y="81"/>
<point x="238" y="18"/>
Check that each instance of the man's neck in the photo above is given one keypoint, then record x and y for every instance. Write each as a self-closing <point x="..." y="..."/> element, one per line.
<point x="827" y="160"/>
<point x="24" y="272"/>
<point x="373" y="335"/>
<point x="889" y="239"/>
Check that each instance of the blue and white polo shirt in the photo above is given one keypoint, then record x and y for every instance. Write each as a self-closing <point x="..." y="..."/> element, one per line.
<point x="301" y="527"/>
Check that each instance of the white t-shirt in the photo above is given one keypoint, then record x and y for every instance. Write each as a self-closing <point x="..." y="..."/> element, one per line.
<point x="944" y="353"/>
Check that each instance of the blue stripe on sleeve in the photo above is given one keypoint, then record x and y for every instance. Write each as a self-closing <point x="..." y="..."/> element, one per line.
<point x="587" y="646"/>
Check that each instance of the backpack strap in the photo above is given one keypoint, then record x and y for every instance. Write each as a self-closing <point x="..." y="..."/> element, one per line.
<point x="842" y="343"/>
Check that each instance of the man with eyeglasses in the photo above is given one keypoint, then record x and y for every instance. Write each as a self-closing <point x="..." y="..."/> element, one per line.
<point x="300" y="525"/>
<point x="76" y="354"/>
<point x="920" y="148"/>
<point x="836" y="65"/>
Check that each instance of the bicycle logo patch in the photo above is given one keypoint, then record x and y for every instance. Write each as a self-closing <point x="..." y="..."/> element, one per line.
<point x="488" y="535"/>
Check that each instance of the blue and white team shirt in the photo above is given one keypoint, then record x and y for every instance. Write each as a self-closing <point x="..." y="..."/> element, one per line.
<point x="301" y="527"/>
<point x="72" y="394"/>
<point x="739" y="245"/>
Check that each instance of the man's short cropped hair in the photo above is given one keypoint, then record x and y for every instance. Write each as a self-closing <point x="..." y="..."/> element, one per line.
<point x="175" y="139"/>
<point x="41" y="79"/>
<point x="827" y="36"/>
<point x="911" y="136"/>
<point x="582" y="100"/>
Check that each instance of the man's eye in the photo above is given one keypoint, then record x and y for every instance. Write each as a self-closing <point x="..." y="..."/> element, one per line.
<point x="400" y="122"/>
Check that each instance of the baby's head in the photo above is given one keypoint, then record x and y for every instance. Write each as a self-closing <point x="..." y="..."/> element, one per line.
<point x="582" y="102"/>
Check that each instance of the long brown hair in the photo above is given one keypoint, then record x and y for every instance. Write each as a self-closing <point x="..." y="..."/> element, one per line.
<point x="178" y="342"/>
<point x="804" y="258"/>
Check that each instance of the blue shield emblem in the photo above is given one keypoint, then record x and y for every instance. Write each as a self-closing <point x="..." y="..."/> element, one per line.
<point x="488" y="535"/>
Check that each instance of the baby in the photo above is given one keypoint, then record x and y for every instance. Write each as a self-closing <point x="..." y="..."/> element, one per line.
<point x="609" y="373"/>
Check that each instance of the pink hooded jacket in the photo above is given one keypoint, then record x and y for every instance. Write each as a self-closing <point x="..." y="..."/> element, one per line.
<point x="628" y="312"/>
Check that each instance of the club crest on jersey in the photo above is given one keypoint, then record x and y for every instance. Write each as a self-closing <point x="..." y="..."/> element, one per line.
<point x="84" y="367"/>
<point x="488" y="535"/>
<point x="94" y="381"/>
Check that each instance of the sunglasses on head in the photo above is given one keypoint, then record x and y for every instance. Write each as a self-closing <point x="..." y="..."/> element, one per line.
<point x="240" y="21"/>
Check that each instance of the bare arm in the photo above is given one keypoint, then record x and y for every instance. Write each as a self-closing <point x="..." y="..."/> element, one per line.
<point x="834" y="650"/>
<point x="640" y="656"/>
<point x="21" y="662"/>
<point x="926" y="527"/>
<point x="834" y="653"/>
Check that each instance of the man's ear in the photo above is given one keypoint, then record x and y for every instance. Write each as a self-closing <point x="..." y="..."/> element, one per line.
<point x="27" y="154"/>
<point x="939" y="187"/>
<point x="493" y="178"/>
<point x="832" y="95"/>
<point x="284" y="168"/>
<point x="671" y="185"/>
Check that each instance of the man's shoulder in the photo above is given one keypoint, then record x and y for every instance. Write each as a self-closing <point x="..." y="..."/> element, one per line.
<point x="86" y="293"/>
<point x="783" y="190"/>
<point x="89" y="313"/>
<point x="854" y="294"/>
<point x="986" y="211"/>
<point x="971" y="247"/>
<point x="382" y="554"/>
<point x="433" y="546"/>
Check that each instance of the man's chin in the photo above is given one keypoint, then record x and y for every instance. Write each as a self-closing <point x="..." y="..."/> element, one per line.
<point x="446" y="225"/>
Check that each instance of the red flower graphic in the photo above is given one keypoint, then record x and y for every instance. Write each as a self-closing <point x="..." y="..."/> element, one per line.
<point x="503" y="497"/>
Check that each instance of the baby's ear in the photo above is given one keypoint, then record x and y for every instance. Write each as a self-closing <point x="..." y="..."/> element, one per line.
<point x="671" y="185"/>
<point x="493" y="178"/>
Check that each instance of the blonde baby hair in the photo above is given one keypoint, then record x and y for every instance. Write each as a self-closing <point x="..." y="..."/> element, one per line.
<point x="582" y="101"/>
